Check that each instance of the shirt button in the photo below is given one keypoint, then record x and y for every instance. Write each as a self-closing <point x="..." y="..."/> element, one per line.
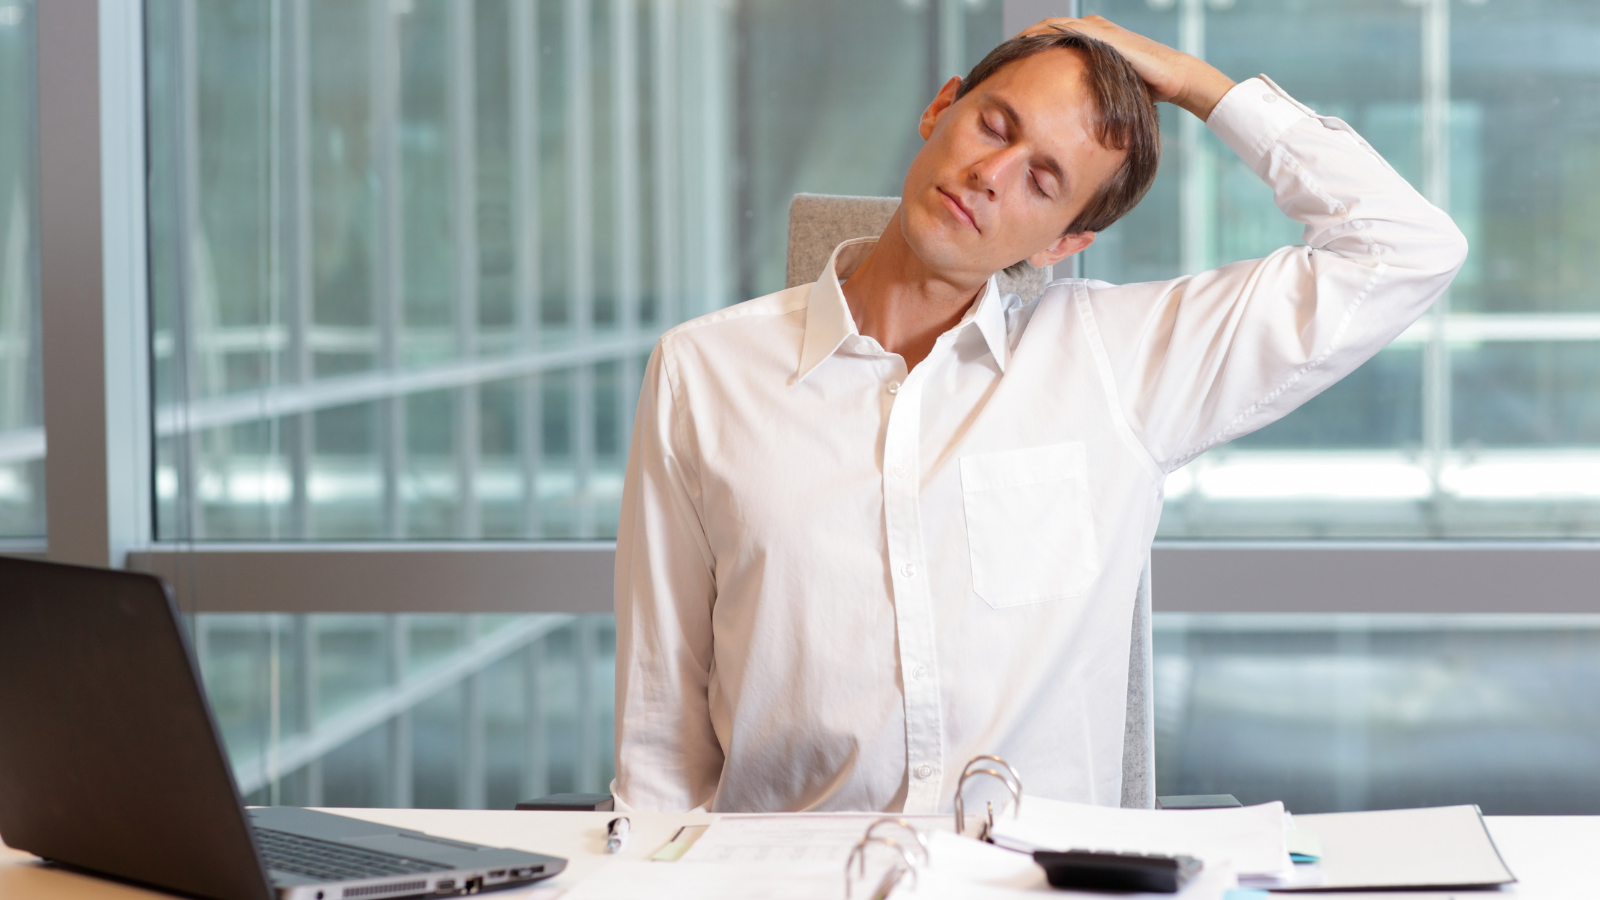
<point x="894" y="387"/>
<point x="900" y="471"/>
<point x="919" y="673"/>
<point x="908" y="570"/>
<point x="924" y="771"/>
<point x="1269" y="98"/>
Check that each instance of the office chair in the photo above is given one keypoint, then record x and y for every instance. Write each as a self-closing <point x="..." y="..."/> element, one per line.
<point x="817" y="224"/>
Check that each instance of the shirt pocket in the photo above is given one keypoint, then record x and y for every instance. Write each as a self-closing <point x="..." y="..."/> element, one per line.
<point x="1030" y="527"/>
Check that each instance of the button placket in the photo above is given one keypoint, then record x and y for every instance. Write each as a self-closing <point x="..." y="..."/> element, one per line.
<point x="912" y="601"/>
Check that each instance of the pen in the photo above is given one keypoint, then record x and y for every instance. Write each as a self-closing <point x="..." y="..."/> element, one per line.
<point x="616" y="834"/>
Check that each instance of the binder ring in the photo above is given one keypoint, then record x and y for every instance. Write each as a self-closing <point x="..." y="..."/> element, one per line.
<point x="1009" y="778"/>
<point x="922" y="839"/>
<point x="890" y="880"/>
<point x="1011" y="770"/>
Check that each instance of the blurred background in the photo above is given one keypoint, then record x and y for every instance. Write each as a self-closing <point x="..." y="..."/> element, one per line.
<point x="407" y="258"/>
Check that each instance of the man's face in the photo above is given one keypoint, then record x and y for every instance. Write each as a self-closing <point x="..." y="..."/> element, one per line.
<point x="1006" y="169"/>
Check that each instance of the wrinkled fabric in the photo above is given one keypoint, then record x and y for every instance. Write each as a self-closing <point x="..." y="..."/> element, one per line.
<point x="837" y="581"/>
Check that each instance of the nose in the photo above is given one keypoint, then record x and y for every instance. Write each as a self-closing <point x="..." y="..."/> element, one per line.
<point x="990" y="172"/>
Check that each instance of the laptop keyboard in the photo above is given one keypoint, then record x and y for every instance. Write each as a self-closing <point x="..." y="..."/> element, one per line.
<point x="330" y="861"/>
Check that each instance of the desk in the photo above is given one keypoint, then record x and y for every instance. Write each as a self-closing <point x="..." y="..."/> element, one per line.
<point x="1550" y="854"/>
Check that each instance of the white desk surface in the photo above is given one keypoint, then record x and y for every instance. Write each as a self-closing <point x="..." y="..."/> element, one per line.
<point x="1549" y="854"/>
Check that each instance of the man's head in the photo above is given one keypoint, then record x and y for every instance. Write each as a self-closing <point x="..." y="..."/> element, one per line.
<point x="1050" y="139"/>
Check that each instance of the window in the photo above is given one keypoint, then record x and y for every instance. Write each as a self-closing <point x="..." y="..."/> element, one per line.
<point x="406" y="258"/>
<point x="1480" y="421"/>
<point x="22" y="514"/>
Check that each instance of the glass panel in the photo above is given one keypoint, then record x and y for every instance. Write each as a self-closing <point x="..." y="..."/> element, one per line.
<point x="21" y="414"/>
<point x="1479" y="421"/>
<point x="433" y="711"/>
<point x="408" y="258"/>
<point x="1325" y="712"/>
<point x="1331" y="713"/>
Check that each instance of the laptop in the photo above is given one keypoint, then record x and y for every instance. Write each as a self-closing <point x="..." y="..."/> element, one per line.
<point x="111" y="762"/>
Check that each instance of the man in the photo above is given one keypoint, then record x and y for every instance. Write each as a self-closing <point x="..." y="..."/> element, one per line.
<point x="881" y="524"/>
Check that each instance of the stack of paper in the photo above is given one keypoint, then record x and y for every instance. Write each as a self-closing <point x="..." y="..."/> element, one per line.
<point x="1247" y="840"/>
<point x="1441" y="847"/>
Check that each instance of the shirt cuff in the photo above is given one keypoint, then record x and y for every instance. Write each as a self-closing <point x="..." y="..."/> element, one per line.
<point x="1251" y="117"/>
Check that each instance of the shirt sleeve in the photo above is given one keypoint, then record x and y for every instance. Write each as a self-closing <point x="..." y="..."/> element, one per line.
<point x="668" y="757"/>
<point x="1203" y="359"/>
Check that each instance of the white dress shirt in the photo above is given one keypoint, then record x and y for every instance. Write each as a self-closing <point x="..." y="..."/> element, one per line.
<point x="837" y="580"/>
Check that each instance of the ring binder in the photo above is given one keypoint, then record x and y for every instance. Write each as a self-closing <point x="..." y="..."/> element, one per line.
<point x="1009" y="778"/>
<point x="921" y="839"/>
<point x="896" y="873"/>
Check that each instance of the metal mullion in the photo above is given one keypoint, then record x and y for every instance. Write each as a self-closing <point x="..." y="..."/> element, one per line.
<point x="388" y="284"/>
<point x="305" y="682"/>
<point x="588" y="762"/>
<point x="950" y="50"/>
<point x="625" y="159"/>
<point x="625" y="179"/>
<point x="294" y="238"/>
<point x="536" y="752"/>
<point x="185" y="324"/>
<point x="583" y="427"/>
<point x="664" y="158"/>
<point x="397" y="653"/>
<point x="1196" y="203"/>
<point x="580" y="243"/>
<point x="525" y="212"/>
<point x="1435" y="125"/>
<point x="462" y="113"/>
<point x="712" y="158"/>
<point x="473" y="774"/>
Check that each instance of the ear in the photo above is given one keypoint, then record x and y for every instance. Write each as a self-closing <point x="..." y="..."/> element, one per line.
<point x="947" y="96"/>
<point x="1064" y="246"/>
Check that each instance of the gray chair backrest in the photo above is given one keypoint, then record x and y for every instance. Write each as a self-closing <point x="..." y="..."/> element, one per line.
<point x="820" y="222"/>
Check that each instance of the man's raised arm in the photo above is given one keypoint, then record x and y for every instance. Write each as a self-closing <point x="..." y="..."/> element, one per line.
<point x="1206" y="358"/>
<point x="668" y="756"/>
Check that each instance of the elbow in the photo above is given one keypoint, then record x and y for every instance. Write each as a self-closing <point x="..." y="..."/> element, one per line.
<point x="1438" y="256"/>
<point x="1449" y="251"/>
<point x="1455" y="250"/>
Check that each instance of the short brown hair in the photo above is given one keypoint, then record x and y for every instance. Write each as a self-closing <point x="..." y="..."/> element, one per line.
<point x="1127" y="117"/>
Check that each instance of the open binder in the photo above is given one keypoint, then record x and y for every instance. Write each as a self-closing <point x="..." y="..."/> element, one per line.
<point x="1441" y="847"/>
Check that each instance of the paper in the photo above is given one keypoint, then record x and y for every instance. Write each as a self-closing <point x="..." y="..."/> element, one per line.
<point x="1303" y="845"/>
<point x="798" y="838"/>
<point x="632" y="879"/>
<point x="1441" y="847"/>
<point x="1248" y="840"/>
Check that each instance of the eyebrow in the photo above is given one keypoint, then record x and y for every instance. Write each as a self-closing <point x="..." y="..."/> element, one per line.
<point x="1048" y="161"/>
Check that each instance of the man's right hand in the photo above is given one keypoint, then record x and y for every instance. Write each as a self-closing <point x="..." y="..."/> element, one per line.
<point x="1173" y="76"/>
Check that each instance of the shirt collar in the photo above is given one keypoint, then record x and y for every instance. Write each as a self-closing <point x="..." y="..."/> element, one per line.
<point x="829" y="323"/>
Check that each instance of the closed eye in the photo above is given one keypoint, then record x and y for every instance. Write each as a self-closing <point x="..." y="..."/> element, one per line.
<point x="1038" y="189"/>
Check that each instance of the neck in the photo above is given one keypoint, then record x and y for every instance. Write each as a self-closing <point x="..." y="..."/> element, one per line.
<point x="902" y="304"/>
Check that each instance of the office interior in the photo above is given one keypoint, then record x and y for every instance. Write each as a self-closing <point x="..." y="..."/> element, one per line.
<point x="333" y="313"/>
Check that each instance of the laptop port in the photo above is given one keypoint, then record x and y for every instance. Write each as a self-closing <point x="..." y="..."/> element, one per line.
<point x="497" y="873"/>
<point x="473" y="885"/>
<point x="445" y="884"/>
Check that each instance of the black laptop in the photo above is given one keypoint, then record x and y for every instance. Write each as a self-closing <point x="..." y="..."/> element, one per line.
<point x="111" y="762"/>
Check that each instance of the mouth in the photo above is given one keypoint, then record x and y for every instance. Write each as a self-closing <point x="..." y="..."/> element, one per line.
<point x="959" y="209"/>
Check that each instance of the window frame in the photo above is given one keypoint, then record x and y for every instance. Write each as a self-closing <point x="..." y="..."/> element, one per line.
<point x="99" y="475"/>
